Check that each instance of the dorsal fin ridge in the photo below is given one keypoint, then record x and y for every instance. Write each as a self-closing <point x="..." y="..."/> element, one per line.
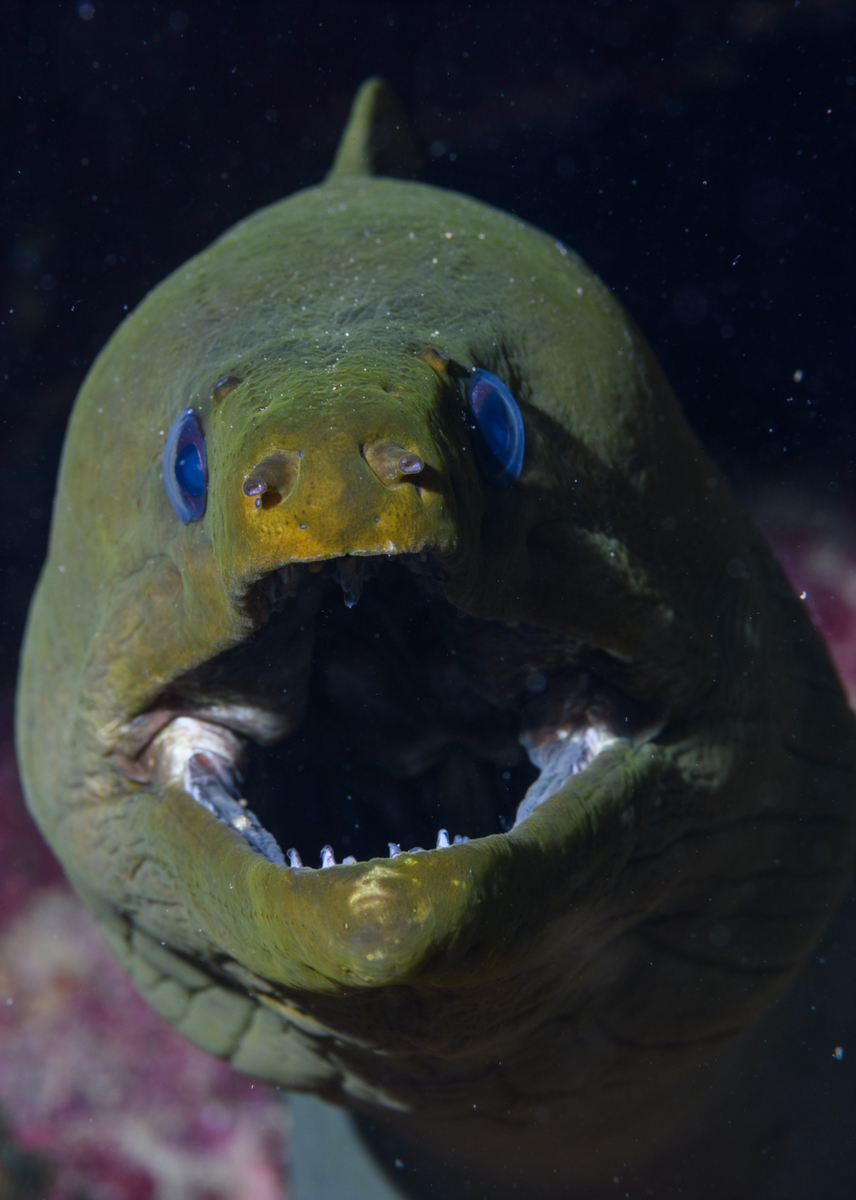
<point x="377" y="139"/>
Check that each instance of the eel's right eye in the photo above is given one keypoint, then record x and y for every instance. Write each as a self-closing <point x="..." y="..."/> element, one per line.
<point x="497" y="427"/>
<point x="185" y="470"/>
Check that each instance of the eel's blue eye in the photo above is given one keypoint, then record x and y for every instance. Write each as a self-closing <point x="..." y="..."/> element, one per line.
<point x="185" y="471"/>
<point x="498" y="428"/>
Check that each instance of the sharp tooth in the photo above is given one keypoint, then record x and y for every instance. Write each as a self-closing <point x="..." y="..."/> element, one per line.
<point x="328" y="858"/>
<point x="394" y="849"/>
<point x="350" y="861"/>
<point x="459" y="841"/>
<point x="294" y="859"/>
<point x="442" y="839"/>
<point x="351" y="572"/>
<point x="291" y="575"/>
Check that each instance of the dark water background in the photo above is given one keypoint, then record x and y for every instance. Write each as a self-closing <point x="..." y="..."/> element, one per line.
<point x="700" y="156"/>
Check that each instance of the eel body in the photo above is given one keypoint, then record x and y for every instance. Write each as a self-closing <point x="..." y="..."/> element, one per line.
<point x="587" y="691"/>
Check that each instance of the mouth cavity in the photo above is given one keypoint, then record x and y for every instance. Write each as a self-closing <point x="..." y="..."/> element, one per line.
<point x="392" y="721"/>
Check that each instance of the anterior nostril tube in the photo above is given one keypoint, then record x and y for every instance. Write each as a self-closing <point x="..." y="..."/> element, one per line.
<point x="392" y="463"/>
<point x="273" y="477"/>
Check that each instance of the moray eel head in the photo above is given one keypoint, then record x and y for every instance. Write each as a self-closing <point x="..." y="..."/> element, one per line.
<point x="358" y="600"/>
<point x="399" y="776"/>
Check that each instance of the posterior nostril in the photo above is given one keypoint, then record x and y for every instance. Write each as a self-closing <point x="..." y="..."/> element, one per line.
<point x="411" y="464"/>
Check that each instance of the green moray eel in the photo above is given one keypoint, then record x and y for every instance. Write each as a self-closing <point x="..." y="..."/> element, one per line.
<point x="595" y="675"/>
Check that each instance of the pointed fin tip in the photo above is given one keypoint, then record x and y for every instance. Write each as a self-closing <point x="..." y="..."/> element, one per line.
<point x="377" y="139"/>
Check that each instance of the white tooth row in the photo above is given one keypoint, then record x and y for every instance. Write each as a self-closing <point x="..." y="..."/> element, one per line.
<point x="328" y="858"/>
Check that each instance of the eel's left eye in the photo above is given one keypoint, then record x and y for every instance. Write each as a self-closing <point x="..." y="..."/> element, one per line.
<point x="498" y="428"/>
<point x="185" y="471"/>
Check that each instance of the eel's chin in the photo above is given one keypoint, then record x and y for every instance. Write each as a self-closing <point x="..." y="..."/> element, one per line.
<point x="392" y="720"/>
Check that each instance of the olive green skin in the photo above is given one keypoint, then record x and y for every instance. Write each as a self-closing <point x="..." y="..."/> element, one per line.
<point x="565" y="967"/>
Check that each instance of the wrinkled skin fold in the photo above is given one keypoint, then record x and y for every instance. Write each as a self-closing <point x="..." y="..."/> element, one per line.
<point x="553" y="998"/>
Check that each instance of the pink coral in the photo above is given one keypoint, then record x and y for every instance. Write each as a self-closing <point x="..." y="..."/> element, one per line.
<point x="816" y="544"/>
<point x="91" y="1079"/>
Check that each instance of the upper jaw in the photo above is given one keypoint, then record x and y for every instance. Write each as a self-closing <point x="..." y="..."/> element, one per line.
<point x="354" y="475"/>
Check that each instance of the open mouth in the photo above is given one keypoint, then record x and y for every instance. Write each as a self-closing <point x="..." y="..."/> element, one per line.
<point x="393" y="721"/>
